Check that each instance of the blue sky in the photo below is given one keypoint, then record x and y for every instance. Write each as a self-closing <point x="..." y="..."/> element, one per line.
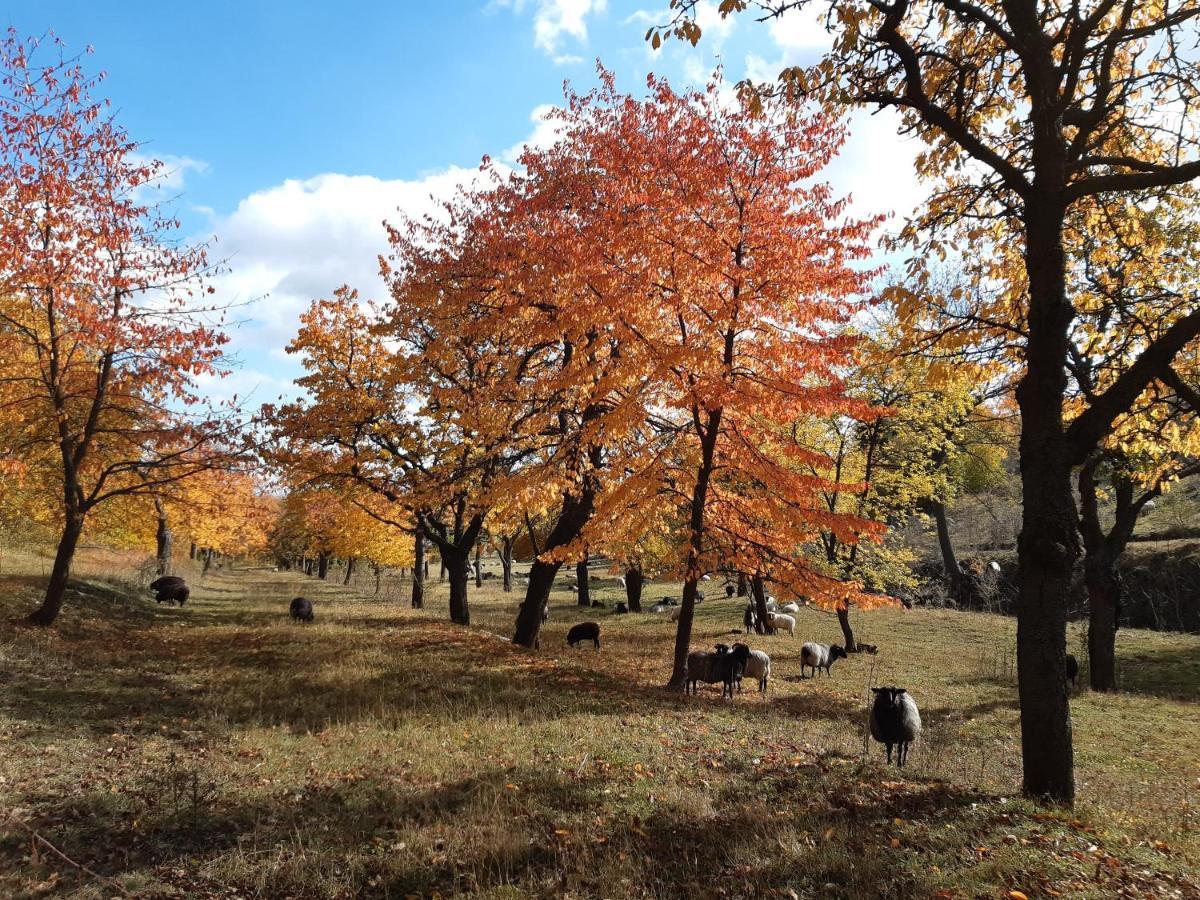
<point x="294" y="128"/>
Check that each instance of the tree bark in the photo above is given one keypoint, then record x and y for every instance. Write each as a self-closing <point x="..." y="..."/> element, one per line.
<point x="164" y="540"/>
<point x="420" y="571"/>
<point x="458" y="564"/>
<point x="758" y="590"/>
<point x="1104" y="592"/>
<point x="377" y="571"/>
<point x="954" y="576"/>
<point x="441" y="567"/>
<point x="52" y="602"/>
<point x="633" y="588"/>
<point x="843" y="615"/>
<point x="349" y="572"/>
<point x="323" y="566"/>
<point x="192" y="550"/>
<point x="581" y="576"/>
<point x="506" y="561"/>
<point x="1048" y="544"/>
<point x="741" y="584"/>
<point x="478" y="565"/>
<point x="208" y="559"/>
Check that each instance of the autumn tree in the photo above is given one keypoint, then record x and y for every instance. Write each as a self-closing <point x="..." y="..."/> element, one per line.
<point x="97" y="301"/>
<point x="1028" y="111"/>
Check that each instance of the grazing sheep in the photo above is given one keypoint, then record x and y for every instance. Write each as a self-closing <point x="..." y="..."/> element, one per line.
<point x="820" y="656"/>
<point x="170" y="589"/>
<point x="1072" y="669"/>
<point x="758" y="666"/>
<point x="779" y="622"/>
<point x="867" y="648"/>
<point x="699" y="596"/>
<point x="748" y="619"/>
<point x="790" y="608"/>
<point x="584" y="631"/>
<point x="676" y="612"/>
<point x="574" y="589"/>
<point x="301" y="609"/>
<point x="622" y="608"/>
<point x="730" y="590"/>
<point x="659" y="607"/>
<point x="598" y="603"/>
<point x="720" y="664"/>
<point x="895" y="720"/>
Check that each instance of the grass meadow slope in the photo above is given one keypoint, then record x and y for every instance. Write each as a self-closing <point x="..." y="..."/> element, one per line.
<point x="223" y="751"/>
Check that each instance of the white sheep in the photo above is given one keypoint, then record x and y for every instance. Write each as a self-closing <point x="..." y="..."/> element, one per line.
<point x="895" y="720"/>
<point x="621" y="581"/>
<point x="676" y="612"/>
<point x="758" y="666"/>
<point x="780" y="622"/>
<point x="820" y="656"/>
<point x="792" y="607"/>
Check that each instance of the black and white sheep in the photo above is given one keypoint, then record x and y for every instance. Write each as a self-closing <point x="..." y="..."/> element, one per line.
<point x="820" y="656"/>
<point x="758" y="667"/>
<point x="730" y="590"/>
<point x="895" y="721"/>
<point x="748" y="619"/>
<point x="301" y="609"/>
<point x="170" y="589"/>
<point x="584" y="631"/>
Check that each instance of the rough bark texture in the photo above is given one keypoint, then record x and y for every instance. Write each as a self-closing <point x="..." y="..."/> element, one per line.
<point x="45" y="614"/>
<point x="758" y="590"/>
<point x="843" y="615"/>
<point x="937" y="509"/>
<point x="458" y="568"/>
<point x="163" y="539"/>
<point x="349" y="572"/>
<point x="741" y="584"/>
<point x="478" y="566"/>
<point x="633" y="588"/>
<point x="420" y="571"/>
<point x="323" y="566"/>
<point x="506" y="561"/>
<point x="581" y="576"/>
<point x="1048" y="545"/>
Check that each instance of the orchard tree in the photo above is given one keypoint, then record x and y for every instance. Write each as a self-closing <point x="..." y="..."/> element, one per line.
<point x="99" y="319"/>
<point x="1028" y="110"/>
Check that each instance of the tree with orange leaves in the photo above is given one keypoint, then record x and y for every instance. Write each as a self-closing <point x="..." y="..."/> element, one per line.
<point x="101" y="332"/>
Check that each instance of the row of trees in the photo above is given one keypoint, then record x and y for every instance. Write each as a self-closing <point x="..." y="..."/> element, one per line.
<point x="1059" y="137"/>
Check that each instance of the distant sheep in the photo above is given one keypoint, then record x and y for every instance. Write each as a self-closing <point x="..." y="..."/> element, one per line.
<point x="895" y="721"/>
<point x="781" y="622"/>
<point x="621" y="608"/>
<point x="748" y="619"/>
<point x="758" y="667"/>
<point x="729" y="590"/>
<point x="545" y="613"/>
<point x="820" y="656"/>
<point x="170" y="589"/>
<point x="676" y="612"/>
<point x="790" y="608"/>
<point x="301" y="609"/>
<point x="584" y="631"/>
<point x="1072" y="669"/>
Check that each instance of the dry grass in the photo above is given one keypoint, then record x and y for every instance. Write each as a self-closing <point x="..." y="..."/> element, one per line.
<point x="221" y="750"/>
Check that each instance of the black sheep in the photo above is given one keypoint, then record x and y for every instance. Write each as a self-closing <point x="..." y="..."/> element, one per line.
<point x="729" y="590"/>
<point x="170" y="589"/>
<point x="718" y="665"/>
<point x="622" y="608"/>
<point x="895" y="721"/>
<point x="302" y="609"/>
<point x="1072" y="669"/>
<point x="584" y="631"/>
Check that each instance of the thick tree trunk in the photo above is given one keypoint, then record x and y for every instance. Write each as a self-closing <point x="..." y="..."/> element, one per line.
<point x="163" y="539"/>
<point x="52" y="601"/>
<point x="843" y="615"/>
<point x="574" y="516"/>
<point x="1048" y="545"/>
<point x="633" y="588"/>
<point x="741" y="584"/>
<point x="192" y="550"/>
<point x="208" y="561"/>
<point x="323" y="566"/>
<point x="377" y="571"/>
<point x="458" y="564"/>
<point x="478" y="565"/>
<point x="506" y="559"/>
<point x="581" y="576"/>
<point x="349" y="572"/>
<point x="420" y="571"/>
<point x="1104" y="593"/>
<point x="758" y="590"/>
<point x="441" y="567"/>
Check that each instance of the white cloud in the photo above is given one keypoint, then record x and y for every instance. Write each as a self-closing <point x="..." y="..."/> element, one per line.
<point x="568" y="59"/>
<point x="801" y="30"/>
<point x="545" y="133"/>
<point x="552" y="19"/>
<point x="287" y="245"/>
<point x="875" y="167"/>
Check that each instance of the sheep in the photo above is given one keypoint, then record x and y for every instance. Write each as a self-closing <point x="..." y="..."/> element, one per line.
<point x="772" y="605"/>
<point x="895" y="720"/>
<point x="790" y="608"/>
<point x="545" y="613"/>
<point x="573" y="589"/>
<point x="301" y="609"/>
<point x="705" y="577"/>
<point x="758" y="666"/>
<point x="676" y="612"/>
<point x="621" y="608"/>
<point x="659" y="607"/>
<point x="170" y="589"/>
<point x="779" y="622"/>
<point x="621" y="580"/>
<point x="584" y="631"/>
<point x="729" y="591"/>
<point x="1072" y="669"/>
<point x="820" y="656"/>
<point x="720" y="664"/>
<point x="748" y="619"/>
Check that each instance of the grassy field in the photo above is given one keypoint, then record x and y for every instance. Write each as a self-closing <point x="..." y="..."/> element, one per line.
<point x="222" y="751"/>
